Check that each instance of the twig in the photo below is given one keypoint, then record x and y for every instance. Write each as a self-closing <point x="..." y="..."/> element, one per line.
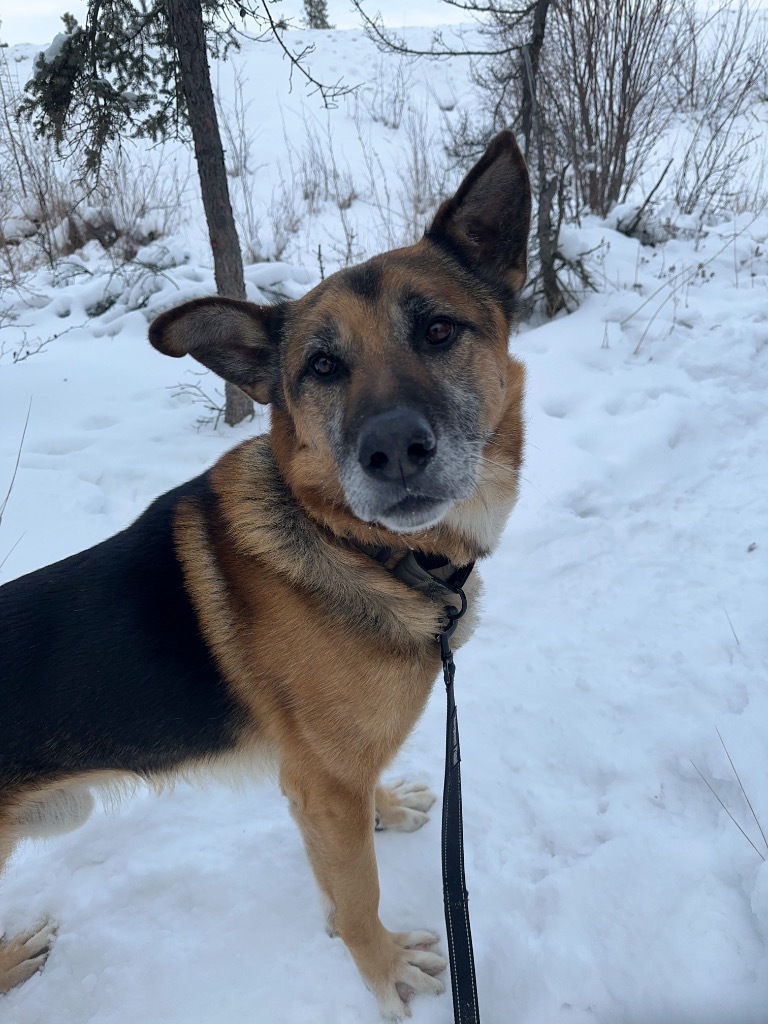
<point x="329" y="93"/>
<point x="11" y="550"/>
<point x="201" y="397"/>
<point x="632" y="226"/>
<point x="725" y="612"/>
<point x="686" y="272"/>
<point x="738" y="826"/>
<point x="16" y="467"/>
<point x="743" y="790"/>
<point x="392" y="43"/>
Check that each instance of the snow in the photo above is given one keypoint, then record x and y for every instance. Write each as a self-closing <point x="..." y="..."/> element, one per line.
<point x="54" y="50"/>
<point x="624" y="626"/>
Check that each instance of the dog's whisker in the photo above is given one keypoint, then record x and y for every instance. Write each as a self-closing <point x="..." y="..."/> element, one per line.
<point x="498" y="466"/>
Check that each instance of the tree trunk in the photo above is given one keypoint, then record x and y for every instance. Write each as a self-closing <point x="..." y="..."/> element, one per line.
<point x="531" y="61"/>
<point x="553" y="295"/>
<point x="545" y="233"/>
<point x="185" y="19"/>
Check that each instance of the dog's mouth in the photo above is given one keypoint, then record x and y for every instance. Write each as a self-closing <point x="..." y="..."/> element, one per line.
<point x="407" y="509"/>
<point x="414" y="512"/>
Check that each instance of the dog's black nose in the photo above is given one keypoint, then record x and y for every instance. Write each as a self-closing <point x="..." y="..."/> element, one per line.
<point x="396" y="444"/>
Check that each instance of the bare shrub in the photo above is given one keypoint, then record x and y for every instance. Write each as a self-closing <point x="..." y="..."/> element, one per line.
<point x="616" y="56"/>
<point x="718" y="77"/>
<point x="718" y="51"/>
<point x="610" y="76"/>
<point x="316" y="177"/>
<point x="347" y="249"/>
<point x="386" y="98"/>
<point x="47" y="212"/>
<point x="711" y="175"/>
<point x="132" y="205"/>
<point x="239" y="139"/>
<point x="320" y="175"/>
<point x="37" y="194"/>
<point x="424" y="177"/>
<point x="377" y="190"/>
<point x="592" y="86"/>
<point x="284" y="217"/>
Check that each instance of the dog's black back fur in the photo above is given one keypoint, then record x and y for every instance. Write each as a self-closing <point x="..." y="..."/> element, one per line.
<point x="149" y="699"/>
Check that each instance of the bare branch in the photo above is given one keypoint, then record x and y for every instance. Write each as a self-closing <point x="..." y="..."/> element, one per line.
<point x="387" y="40"/>
<point x="16" y="465"/>
<point x="738" y="826"/>
<point x="741" y="786"/>
<point x="629" y="229"/>
<point x="329" y="93"/>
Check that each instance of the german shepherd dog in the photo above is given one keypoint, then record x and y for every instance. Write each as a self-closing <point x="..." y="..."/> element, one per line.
<point x="283" y="608"/>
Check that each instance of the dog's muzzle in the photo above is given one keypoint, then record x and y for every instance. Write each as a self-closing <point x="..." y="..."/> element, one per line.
<point x="398" y="476"/>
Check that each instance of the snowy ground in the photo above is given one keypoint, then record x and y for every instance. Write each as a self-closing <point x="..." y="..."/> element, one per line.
<point x="624" y="626"/>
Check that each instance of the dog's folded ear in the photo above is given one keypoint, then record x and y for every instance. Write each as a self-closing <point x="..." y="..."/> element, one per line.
<point x="488" y="219"/>
<point x="237" y="340"/>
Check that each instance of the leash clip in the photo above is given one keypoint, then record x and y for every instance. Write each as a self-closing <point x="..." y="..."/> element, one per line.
<point x="453" y="615"/>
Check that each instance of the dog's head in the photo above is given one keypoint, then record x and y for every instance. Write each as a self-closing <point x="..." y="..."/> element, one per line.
<point x="390" y="382"/>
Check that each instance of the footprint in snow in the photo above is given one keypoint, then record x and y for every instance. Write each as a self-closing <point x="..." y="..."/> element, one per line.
<point x="98" y="422"/>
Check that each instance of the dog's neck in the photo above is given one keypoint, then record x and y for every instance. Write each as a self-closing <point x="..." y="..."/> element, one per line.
<point x="264" y="521"/>
<point x="432" y="575"/>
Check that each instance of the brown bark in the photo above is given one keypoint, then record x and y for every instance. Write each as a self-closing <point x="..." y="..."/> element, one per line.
<point x="545" y="233"/>
<point x="532" y="60"/>
<point x="185" y="19"/>
<point x="553" y="295"/>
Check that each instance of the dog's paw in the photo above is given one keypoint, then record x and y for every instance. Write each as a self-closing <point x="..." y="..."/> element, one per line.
<point x="403" y="806"/>
<point x="415" y="973"/>
<point x="24" y="955"/>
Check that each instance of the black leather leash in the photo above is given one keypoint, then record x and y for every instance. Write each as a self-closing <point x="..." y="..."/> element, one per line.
<point x="455" y="895"/>
<point x="438" y="579"/>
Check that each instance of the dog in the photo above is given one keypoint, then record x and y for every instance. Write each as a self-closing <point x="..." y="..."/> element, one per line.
<point x="282" y="609"/>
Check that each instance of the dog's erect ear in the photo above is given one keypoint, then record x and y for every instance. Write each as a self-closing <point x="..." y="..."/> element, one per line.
<point x="490" y="215"/>
<point x="232" y="338"/>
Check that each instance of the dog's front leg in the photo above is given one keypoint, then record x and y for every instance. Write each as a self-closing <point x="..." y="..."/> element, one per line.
<point x="335" y="821"/>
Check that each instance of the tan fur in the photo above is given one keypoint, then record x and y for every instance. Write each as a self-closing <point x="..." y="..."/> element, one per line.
<point x="23" y="956"/>
<point x="330" y="658"/>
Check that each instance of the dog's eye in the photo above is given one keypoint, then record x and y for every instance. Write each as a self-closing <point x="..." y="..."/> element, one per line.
<point x="440" y="331"/>
<point x="323" y="365"/>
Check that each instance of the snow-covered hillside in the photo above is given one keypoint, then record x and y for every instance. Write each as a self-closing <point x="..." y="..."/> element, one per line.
<point x="624" y="623"/>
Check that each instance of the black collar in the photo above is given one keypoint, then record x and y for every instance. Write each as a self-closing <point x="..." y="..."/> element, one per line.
<point x="432" y="575"/>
